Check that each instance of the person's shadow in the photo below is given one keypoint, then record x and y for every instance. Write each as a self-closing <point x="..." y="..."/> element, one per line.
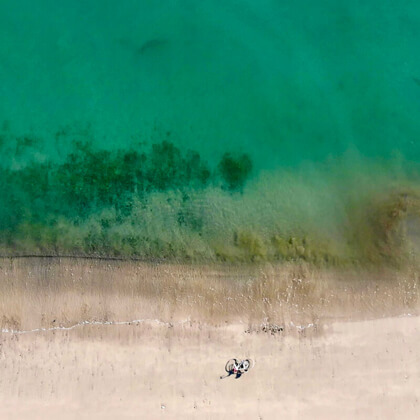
<point x="237" y="375"/>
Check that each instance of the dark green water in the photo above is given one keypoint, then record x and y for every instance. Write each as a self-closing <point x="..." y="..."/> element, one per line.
<point x="323" y="97"/>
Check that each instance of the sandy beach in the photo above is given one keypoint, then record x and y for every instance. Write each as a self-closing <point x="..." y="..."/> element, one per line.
<point x="88" y="340"/>
<point x="363" y="370"/>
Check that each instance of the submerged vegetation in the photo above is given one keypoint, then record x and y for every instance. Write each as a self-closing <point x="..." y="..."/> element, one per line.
<point x="159" y="201"/>
<point x="235" y="171"/>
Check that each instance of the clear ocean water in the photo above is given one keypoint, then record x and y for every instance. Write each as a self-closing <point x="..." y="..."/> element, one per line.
<point x="324" y="97"/>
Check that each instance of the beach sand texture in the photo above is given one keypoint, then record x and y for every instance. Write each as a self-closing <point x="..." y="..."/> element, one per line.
<point x="331" y="367"/>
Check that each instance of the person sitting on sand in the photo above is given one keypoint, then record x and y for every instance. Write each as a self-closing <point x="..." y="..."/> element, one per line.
<point x="240" y="368"/>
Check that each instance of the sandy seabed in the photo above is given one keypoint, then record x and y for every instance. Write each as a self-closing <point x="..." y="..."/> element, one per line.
<point x="348" y="350"/>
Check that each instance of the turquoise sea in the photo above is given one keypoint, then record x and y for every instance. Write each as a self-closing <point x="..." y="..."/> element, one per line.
<point x="305" y="116"/>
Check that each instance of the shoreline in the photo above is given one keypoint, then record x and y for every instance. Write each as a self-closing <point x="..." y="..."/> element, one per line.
<point x="44" y="293"/>
<point x="85" y="339"/>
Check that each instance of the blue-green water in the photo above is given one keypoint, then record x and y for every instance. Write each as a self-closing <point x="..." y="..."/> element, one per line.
<point x="324" y="98"/>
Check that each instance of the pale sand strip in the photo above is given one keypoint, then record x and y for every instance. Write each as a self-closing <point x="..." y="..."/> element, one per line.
<point x="347" y="370"/>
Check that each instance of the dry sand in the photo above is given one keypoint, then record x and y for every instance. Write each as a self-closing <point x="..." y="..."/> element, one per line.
<point x="363" y="370"/>
<point x="334" y="369"/>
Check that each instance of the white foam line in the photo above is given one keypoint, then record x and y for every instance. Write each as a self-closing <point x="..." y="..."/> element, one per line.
<point x="135" y="321"/>
<point x="302" y="327"/>
<point x="83" y="323"/>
